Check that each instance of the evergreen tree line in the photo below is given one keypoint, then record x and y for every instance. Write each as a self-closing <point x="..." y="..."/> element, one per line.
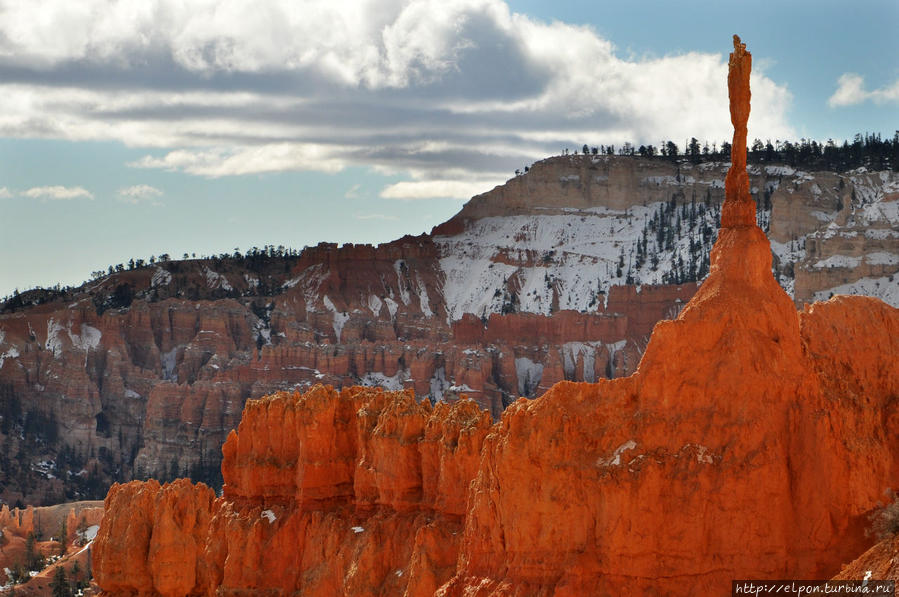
<point x="868" y="150"/>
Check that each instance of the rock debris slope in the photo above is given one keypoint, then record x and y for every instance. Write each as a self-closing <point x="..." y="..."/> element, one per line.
<point x="751" y="442"/>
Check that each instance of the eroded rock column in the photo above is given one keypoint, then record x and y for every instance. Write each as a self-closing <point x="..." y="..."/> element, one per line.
<point x="738" y="208"/>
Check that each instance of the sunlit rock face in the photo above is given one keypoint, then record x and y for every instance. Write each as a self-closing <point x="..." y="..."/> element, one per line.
<point x="326" y="493"/>
<point x="751" y="442"/>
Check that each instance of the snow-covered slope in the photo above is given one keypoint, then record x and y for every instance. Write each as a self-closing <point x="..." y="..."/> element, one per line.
<point x="561" y="235"/>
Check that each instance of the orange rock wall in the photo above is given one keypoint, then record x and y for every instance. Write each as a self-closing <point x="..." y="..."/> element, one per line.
<point x="168" y="378"/>
<point x="751" y="442"/>
<point x="327" y="493"/>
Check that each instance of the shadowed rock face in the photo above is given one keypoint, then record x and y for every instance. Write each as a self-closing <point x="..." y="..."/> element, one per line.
<point x="750" y="443"/>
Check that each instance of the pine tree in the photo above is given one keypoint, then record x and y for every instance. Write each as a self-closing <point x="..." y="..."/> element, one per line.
<point x="33" y="559"/>
<point x="63" y="535"/>
<point x="60" y="584"/>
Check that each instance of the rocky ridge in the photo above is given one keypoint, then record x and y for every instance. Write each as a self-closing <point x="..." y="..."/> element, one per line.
<point x="560" y="274"/>
<point x="751" y="442"/>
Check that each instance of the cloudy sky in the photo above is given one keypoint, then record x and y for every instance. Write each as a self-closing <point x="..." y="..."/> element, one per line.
<point x="134" y="128"/>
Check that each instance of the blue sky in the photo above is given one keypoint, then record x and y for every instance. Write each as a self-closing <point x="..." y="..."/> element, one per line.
<point x="132" y="129"/>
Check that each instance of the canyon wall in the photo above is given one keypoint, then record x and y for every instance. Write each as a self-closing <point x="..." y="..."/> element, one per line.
<point x="326" y="493"/>
<point x="560" y="274"/>
<point x="752" y="441"/>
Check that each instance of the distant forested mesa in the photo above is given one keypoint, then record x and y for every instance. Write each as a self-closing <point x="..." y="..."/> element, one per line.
<point x="254" y="260"/>
<point x="867" y="150"/>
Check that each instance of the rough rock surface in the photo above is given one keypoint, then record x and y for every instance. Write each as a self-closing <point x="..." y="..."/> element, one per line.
<point x="143" y="373"/>
<point x="327" y="493"/>
<point x="515" y="293"/>
<point x="881" y="562"/>
<point x="751" y="442"/>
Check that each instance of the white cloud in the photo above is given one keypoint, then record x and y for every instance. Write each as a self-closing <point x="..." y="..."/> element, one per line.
<point x="233" y="161"/>
<point x="57" y="193"/>
<point x="139" y="193"/>
<point x="851" y="91"/>
<point x="5" y="193"/>
<point x="433" y="189"/>
<point x="443" y="92"/>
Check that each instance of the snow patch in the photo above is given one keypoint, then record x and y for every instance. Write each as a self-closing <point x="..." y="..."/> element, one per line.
<point x="423" y="300"/>
<point x="216" y="280"/>
<point x="54" y="343"/>
<point x="12" y="353"/>
<point x="570" y="256"/>
<point x="378" y="379"/>
<point x="470" y="285"/>
<point x="129" y="393"/>
<point x="358" y="530"/>
<point x="374" y="305"/>
<point x="881" y="233"/>
<point x="392" y="306"/>
<point x="340" y="318"/>
<point x="461" y="388"/>
<point x="571" y="352"/>
<point x="884" y="288"/>
<point x="779" y="171"/>
<point x="161" y="277"/>
<point x="88" y="339"/>
<point x="90" y="533"/>
<point x="529" y="375"/>
<point x="881" y="258"/>
<point x="438" y="384"/>
<point x="399" y="267"/>
<point x="269" y="515"/>
<point x="615" y="458"/>
<point x="311" y="278"/>
<point x="838" y="261"/>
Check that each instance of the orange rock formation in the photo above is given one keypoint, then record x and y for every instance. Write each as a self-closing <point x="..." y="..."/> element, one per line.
<point x="327" y="493"/>
<point x="881" y="562"/>
<point x="751" y="443"/>
<point x="738" y="208"/>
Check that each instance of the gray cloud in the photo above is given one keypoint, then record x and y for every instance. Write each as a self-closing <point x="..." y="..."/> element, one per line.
<point x="436" y="90"/>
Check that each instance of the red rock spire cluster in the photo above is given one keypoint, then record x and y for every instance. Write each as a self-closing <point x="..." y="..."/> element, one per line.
<point x="751" y="442"/>
<point x="738" y="208"/>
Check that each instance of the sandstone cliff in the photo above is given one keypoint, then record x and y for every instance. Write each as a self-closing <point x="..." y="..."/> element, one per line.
<point x="560" y="274"/>
<point x="326" y="493"/>
<point x="143" y="373"/>
<point x="751" y="442"/>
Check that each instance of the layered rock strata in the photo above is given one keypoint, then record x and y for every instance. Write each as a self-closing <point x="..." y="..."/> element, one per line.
<point x="751" y="442"/>
<point x="326" y="493"/>
<point x="559" y="274"/>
